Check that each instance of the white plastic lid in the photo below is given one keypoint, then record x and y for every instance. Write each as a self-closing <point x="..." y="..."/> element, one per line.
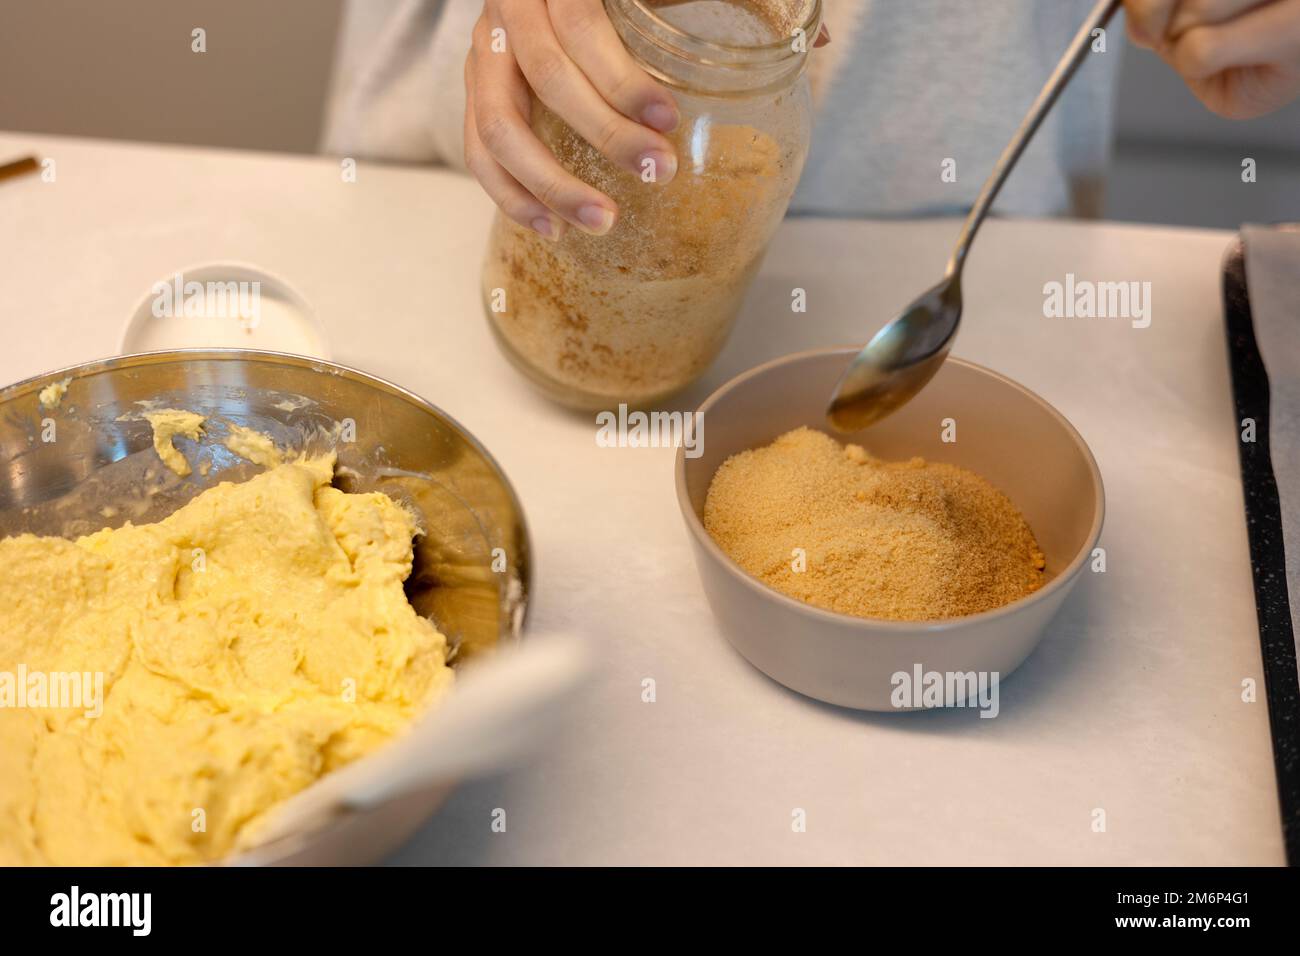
<point x="224" y="305"/>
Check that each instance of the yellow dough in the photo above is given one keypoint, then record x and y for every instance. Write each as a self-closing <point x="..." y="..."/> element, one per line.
<point x="254" y="640"/>
<point x="253" y="446"/>
<point x="51" y="396"/>
<point x="166" y="425"/>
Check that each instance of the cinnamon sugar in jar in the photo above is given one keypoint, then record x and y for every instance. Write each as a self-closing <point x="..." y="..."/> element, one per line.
<point x="639" y="313"/>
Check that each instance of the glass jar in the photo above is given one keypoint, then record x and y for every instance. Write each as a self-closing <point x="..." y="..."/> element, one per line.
<point x="639" y="313"/>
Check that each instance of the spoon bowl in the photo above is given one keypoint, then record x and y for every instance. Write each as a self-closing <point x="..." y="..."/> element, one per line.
<point x="899" y="360"/>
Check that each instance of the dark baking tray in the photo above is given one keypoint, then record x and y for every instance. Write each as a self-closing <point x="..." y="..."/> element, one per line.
<point x="1250" y="393"/>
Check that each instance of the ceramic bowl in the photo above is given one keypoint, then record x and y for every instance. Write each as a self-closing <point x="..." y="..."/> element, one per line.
<point x="1003" y="431"/>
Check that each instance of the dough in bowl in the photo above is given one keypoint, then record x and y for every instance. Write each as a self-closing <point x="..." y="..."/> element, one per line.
<point x="251" y="642"/>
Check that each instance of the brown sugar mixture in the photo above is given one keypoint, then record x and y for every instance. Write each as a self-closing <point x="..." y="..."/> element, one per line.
<point x="639" y="313"/>
<point x="906" y="541"/>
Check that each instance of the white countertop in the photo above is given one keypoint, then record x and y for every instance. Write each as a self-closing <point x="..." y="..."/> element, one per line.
<point x="1132" y="704"/>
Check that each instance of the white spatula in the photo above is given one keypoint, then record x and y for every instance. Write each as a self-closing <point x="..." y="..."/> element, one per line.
<point x="499" y="710"/>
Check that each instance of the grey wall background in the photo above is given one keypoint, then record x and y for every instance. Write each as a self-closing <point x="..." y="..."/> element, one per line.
<point x="123" y="69"/>
<point x="1176" y="162"/>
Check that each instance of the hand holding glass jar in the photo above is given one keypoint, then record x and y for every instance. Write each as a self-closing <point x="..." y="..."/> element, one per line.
<point x="671" y="223"/>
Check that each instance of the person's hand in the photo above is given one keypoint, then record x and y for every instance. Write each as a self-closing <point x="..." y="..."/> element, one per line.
<point x="1240" y="57"/>
<point x="567" y="52"/>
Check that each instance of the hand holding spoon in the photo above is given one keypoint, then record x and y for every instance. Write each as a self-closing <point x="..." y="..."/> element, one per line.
<point x="903" y="356"/>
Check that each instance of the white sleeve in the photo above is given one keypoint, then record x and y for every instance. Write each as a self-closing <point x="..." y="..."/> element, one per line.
<point x="397" y="90"/>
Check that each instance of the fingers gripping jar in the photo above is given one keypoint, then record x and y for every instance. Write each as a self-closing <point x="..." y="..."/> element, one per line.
<point x="639" y="313"/>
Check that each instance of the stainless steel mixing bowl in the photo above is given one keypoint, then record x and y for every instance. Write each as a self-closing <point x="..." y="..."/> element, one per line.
<point x="89" y="463"/>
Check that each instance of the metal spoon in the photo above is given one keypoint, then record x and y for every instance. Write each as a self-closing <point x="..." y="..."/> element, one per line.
<point x="902" y="357"/>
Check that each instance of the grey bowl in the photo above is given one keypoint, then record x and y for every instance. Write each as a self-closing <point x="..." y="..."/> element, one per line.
<point x="1004" y="432"/>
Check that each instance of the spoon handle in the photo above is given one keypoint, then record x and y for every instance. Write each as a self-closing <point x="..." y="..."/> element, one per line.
<point x="1078" y="49"/>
